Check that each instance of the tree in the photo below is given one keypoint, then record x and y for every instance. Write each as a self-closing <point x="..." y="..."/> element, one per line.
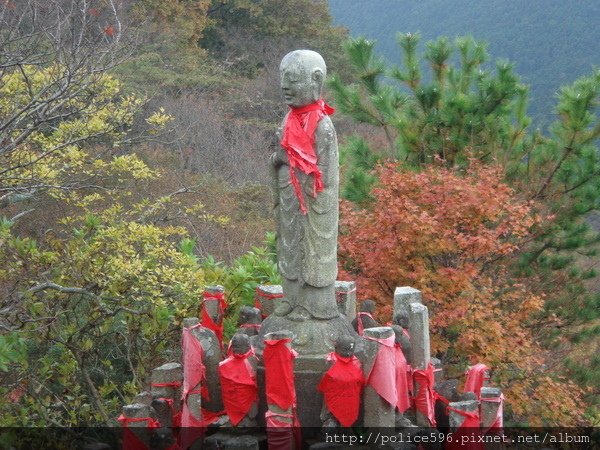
<point x="461" y="109"/>
<point x="55" y="93"/>
<point x="454" y="237"/>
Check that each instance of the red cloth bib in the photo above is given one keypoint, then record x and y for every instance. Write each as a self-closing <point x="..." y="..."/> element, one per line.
<point x="402" y="376"/>
<point x="298" y="141"/>
<point x="238" y="386"/>
<point x="469" y="428"/>
<point x="207" y="320"/>
<point x="424" y="398"/>
<point x="279" y="373"/>
<point x="342" y="387"/>
<point x="193" y="375"/>
<point x="382" y="377"/>
<point x="475" y="378"/>
<point x="130" y="440"/>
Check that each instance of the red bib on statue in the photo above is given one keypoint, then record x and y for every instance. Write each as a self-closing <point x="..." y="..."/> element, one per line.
<point x="342" y="388"/>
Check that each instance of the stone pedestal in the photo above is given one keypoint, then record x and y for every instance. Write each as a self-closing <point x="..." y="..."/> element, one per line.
<point x="313" y="340"/>
<point x="145" y="398"/>
<point x="166" y="392"/>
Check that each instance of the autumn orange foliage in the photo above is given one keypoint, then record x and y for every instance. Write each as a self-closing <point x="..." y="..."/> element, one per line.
<point x="454" y="236"/>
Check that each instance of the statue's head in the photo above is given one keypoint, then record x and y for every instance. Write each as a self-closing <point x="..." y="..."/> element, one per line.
<point x="345" y="346"/>
<point x="401" y="319"/>
<point x="302" y="76"/>
<point x="249" y="315"/>
<point x="240" y="344"/>
<point x="367" y="306"/>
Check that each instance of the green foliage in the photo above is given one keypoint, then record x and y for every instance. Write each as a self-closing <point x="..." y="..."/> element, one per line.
<point x="106" y="304"/>
<point x="465" y="110"/>
<point x="240" y="278"/>
<point x="357" y="155"/>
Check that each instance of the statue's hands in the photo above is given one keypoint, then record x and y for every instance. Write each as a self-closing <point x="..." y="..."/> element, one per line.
<point x="278" y="158"/>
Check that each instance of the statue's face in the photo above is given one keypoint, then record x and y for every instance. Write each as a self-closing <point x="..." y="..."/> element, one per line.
<point x="240" y="344"/>
<point x="300" y="87"/>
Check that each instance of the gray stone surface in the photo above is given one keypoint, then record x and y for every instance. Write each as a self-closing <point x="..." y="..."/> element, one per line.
<point x="249" y="321"/>
<point x="212" y="306"/>
<point x="168" y="373"/>
<point x="489" y="409"/>
<point x="377" y="412"/>
<point x="403" y="297"/>
<point x="307" y="243"/>
<point x="212" y="354"/>
<point x="420" y="350"/>
<point x="263" y="297"/>
<point x="455" y="418"/>
<point x="216" y="441"/>
<point x="144" y="397"/>
<point x="139" y="411"/>
<point x="245" y="442"/>
<point x="164" y="414"/>
<point x="419" y="335"/>
<point x="365" y="320"/>
<point x="345" y="295"/>
<point x="312" y="337"/>
<point x="439" y="370"/>
<point x="448" y="389"/>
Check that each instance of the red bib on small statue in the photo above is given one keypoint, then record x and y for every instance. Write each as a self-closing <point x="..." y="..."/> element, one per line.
<point x="238" y="386"/>
<point x="279" y="373"/>
<point x="342" y="387"/>
<point x="298" y="141"/>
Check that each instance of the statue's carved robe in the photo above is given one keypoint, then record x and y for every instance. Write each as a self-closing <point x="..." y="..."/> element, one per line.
<point x="307" y="244"/>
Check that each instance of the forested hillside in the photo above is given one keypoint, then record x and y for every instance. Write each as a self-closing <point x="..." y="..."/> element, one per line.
<point x="552" y="42"/>
<point x="134" y="140"/>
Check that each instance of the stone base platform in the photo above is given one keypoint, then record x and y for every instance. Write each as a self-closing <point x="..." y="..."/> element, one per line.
<point x="312" y="337"/>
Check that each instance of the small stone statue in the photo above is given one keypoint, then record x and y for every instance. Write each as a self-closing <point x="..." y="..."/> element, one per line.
<point x="401" y="319"/>
<point x="305" y="176"/>
<point x="342" y="386"/>
<point x="364" y="319"/>
<point x="238" y="382"/>
<point x="249" y="321"/>
<point x="401" y="322"/>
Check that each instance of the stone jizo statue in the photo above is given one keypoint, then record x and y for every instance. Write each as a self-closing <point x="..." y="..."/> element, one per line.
<point x="305" y="175"/>
<point x="364" y="319"/>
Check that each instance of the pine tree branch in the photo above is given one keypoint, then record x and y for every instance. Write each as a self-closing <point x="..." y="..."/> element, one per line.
<point x="567" y="152"/>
